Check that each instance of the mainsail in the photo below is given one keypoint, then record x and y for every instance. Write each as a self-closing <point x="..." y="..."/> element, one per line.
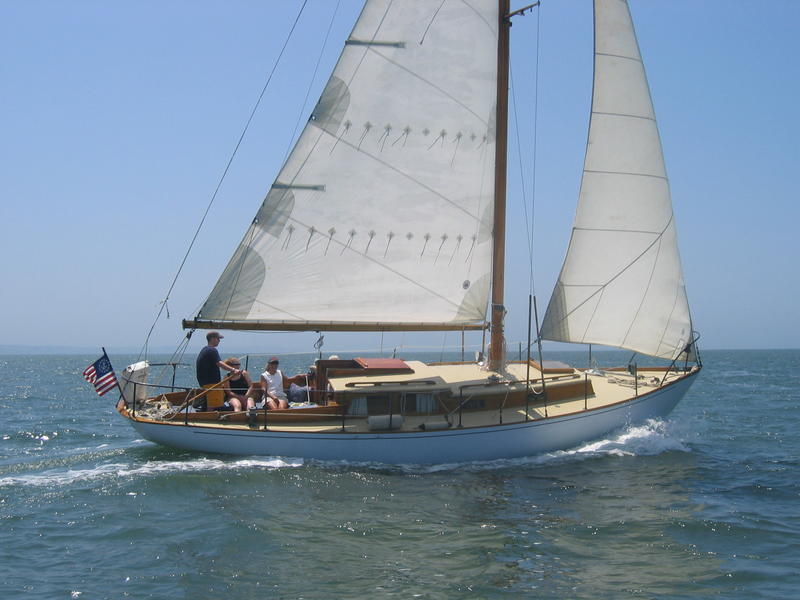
<point x="622" y="283"/>
<point x="381" y="216"/>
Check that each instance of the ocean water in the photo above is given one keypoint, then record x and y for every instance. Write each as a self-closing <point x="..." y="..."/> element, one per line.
<point x="705" y="504"/>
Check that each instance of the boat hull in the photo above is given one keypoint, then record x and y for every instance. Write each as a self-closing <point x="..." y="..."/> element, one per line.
<point x="510" y="440"/>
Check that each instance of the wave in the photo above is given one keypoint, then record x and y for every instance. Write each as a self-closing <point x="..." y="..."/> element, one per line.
<point x="150" y="468"/>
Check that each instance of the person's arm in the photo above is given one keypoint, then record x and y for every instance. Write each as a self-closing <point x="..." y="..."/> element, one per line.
<point x="299" y="379"/>
<point x="227" y="367"/>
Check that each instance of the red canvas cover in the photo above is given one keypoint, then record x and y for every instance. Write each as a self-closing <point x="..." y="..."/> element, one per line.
<point x="383" y="364"/>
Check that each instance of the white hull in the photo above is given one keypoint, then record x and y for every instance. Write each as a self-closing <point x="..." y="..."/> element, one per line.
<point x="447" y="446"/>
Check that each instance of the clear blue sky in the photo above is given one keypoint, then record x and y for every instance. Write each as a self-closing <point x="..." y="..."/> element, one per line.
<point x="117" y="120"/>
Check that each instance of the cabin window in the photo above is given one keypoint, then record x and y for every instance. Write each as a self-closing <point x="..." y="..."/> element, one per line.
<point x="358" y="406"/>
<point x="374" y="404"/>
<point x="419" y="403"/>
<point x="379" y="404"/>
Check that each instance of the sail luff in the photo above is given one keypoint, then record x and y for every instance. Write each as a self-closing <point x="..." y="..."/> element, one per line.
<point x="621" y="283"/>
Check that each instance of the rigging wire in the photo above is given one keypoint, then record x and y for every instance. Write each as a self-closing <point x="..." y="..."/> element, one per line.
<point x="175" y="357"/>
<point x="529" y="212"/>
<point x="535" y="147"/>
<point x="529" y="215"/>
<point x="221" y="179"/>
<point x="313" y="79"/>
<point x="528" y="229"/>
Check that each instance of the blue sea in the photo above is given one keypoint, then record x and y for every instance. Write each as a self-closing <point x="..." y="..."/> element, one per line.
<point x="704" y="504"/>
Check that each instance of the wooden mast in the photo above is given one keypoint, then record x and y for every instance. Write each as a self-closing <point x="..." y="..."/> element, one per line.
<point x="497" y="345"/>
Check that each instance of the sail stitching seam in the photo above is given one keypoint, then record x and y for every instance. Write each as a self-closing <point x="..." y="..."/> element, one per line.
<point x="602" y="290"/>
<point x="644" y="293"/>
<point x="633" y="58"/>
<point x="429" y="83"/>
<point x="272" y="306"/>
<point x="681" y="343"/>
<point x="620" y="272"/>
<point x="386" y="267"/>
<point x="430" y="23"/>
<point x="625" y="115"/>
<point x="617" y="230"/>
<point x="626" y="173"/>
<point x="410" y="178"/>
<point x="480" y="17"/>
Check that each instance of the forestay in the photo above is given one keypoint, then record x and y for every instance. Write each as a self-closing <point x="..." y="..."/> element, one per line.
<point x="382" y="214"/>
<point x="621" y="284"/>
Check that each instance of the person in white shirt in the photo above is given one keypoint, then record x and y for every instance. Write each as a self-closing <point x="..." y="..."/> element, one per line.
<point x="272" y="382"/>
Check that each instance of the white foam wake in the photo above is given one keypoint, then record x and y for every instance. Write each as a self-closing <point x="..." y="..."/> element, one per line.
<point x="649" y="439"/>
<point x="150" y="468"/>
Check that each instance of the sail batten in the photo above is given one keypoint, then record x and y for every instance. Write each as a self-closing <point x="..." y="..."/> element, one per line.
<point x="382" y="213"/>
<point x="621" y="283"/>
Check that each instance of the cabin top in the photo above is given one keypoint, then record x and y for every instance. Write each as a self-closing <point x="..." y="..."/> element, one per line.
<point x="416" y="376"/>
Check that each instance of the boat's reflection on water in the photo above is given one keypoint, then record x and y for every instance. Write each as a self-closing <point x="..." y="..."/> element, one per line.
<point x="605" y="526"/>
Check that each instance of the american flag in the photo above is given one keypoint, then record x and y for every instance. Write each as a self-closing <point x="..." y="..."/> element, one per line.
<point x="101" y="374"/>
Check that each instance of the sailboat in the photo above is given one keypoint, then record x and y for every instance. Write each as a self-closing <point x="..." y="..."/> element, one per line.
<point x="389" y="215"/>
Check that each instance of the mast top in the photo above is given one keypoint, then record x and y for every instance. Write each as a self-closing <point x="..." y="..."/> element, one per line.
<point x="523" y="10"/>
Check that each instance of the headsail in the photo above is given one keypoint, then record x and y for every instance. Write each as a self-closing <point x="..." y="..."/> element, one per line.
<point x="382" y="215"/>
<point x="622" y="283"/>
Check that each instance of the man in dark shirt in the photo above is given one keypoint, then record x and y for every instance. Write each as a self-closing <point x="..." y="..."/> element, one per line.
<point x="208" y="365"/>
